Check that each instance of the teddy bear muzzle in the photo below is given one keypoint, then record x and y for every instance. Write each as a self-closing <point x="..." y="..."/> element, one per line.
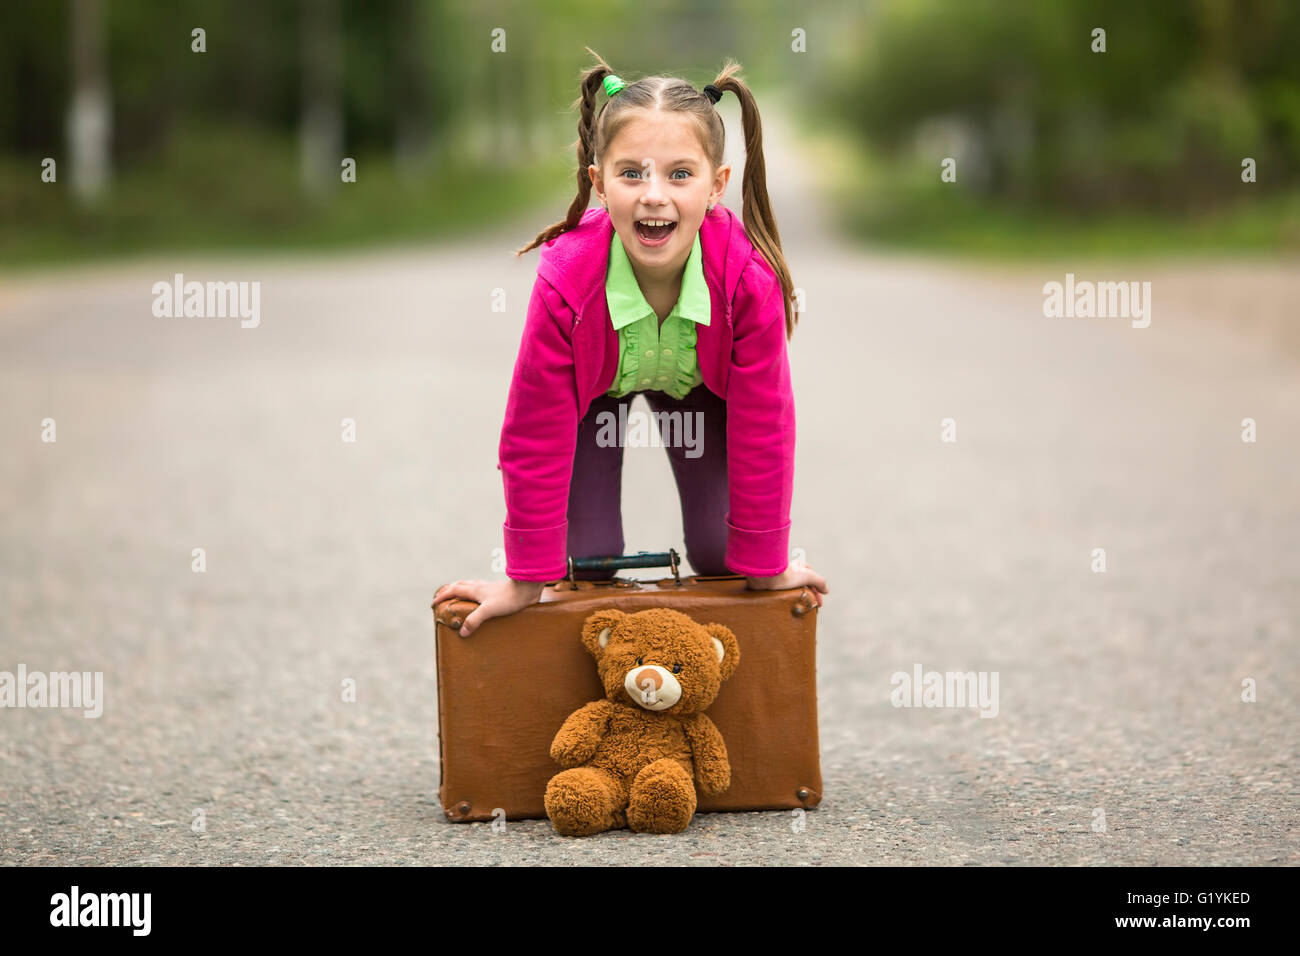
<point x="652" y="687"/>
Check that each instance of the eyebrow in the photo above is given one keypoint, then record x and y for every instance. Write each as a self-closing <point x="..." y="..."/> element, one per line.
<point x="676" y="162"/>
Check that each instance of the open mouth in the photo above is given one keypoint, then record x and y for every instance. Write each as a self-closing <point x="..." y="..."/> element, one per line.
<point x="654" y="232"/>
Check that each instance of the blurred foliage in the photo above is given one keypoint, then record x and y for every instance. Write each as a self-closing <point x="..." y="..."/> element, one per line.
<point x="219" y="186"/>
<point x="1129" y="145"/>
<point x="1140" y="145"/>
<point x="206" y="148"/>
<point x="1182" y="93"/>
<point x="251" y="72"/>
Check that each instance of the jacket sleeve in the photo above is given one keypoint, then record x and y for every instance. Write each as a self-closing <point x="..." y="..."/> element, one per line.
<point x="538" y="438"/>
<point x="760" y="427"/>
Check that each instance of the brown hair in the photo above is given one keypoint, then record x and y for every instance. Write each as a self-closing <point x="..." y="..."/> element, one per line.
<point x="597" y="129"/>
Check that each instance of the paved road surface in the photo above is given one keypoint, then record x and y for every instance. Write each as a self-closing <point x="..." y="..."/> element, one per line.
<point x="1119" y="692"/>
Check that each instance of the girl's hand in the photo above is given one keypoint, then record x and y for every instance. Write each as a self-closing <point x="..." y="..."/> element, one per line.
<point x="795" y="576"/>
<point x="495" y="598"/>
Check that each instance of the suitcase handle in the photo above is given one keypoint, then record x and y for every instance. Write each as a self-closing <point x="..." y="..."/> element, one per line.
<point x="642" y="559"/>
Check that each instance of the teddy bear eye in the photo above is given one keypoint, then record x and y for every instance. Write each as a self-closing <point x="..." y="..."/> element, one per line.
<point x="640" y="661"/>
<point x="677" y="668"/>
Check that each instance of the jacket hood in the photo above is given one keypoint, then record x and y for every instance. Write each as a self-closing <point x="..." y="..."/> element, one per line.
<point x="575" y="262"/>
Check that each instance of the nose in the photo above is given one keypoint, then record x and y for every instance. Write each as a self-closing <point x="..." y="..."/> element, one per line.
<point x="654" y="194"/>
<point x="649" y="674"/>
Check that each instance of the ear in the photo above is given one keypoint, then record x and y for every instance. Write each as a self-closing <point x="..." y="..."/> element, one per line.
<point x="721" y="177"/>
<point x="595" y="630"/>
<point x="727" y="647"/>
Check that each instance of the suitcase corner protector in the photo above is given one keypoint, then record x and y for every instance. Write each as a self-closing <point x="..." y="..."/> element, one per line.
<point x="452" y="612"/>
<point x="461" y="811"/>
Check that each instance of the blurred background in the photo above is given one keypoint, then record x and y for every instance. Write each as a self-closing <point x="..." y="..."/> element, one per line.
<point x="232" y="523"/>
<point x="159" y="146"/>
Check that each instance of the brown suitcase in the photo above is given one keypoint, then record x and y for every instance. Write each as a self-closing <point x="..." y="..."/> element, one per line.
<point x="495" y="728"/>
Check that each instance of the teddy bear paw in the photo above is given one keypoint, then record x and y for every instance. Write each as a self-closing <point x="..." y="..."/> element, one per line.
<point x="579" y="802"/>
<point x="662" y="799"/>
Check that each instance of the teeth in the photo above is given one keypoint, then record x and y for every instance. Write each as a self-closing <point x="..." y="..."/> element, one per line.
<point x="656" y="222"/>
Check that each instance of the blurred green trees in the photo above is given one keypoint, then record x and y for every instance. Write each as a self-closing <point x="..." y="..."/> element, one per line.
<point x="1041" y="125"/>
<point x="242" y="143"/>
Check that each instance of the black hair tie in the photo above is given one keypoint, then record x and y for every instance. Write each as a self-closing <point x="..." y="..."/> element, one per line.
<point x="713" y="93"/>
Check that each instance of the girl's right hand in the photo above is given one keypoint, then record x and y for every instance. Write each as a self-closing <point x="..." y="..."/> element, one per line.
<point x="495" y="598"/>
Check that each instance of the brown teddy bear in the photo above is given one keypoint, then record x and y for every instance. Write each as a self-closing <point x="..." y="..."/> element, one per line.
<point x="631" y="757"/>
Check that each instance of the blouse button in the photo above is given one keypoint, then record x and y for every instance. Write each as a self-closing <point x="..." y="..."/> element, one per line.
<point x="663" y="378"/>
<point x="668" y="351"/>
<point x="645" y="381"/>
<point x="649" y="353"/>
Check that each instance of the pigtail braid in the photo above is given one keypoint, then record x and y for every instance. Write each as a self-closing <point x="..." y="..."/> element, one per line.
<point x="586" y="103"/>
<point x="756" y="206"/>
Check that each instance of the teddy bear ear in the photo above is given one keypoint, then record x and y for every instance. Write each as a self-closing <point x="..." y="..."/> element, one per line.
<point x="596" y="630"/>
<point x="726" y="646"/>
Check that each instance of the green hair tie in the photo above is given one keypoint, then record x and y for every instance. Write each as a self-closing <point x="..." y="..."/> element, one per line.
<point x="613" y="85"/>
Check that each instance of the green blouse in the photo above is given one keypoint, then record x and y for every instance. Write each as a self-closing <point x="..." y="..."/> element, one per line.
<point x="650" y="356"/>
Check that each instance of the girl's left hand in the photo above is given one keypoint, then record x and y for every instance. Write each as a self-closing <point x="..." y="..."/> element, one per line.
<point x="795" y="576"/>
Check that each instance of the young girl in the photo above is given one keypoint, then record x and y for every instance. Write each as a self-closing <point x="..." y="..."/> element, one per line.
<point x="660" y="292"/>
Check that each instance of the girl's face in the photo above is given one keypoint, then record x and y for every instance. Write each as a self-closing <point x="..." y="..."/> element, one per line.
<point x="656" y="170"/>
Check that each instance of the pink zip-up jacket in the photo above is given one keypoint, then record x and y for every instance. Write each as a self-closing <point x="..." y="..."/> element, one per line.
<point x="568" y="356"/>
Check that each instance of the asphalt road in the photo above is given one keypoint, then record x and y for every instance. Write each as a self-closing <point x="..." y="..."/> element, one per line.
<point x="1119" y="692"/>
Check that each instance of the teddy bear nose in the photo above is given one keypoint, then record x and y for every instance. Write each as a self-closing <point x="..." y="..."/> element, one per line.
<point x="649" y="674"/>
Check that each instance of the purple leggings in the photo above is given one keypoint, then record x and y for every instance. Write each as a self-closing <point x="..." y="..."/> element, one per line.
<point x="595" y="494"/>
